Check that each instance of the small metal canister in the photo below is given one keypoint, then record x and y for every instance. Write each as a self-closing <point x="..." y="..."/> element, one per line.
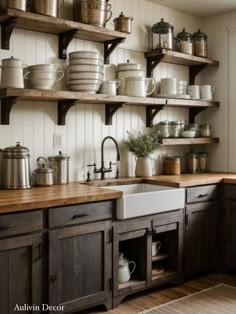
<point x="163" y="129"/>
<point x="176" y="128"/>
<point x="61" y="162"/>
<point x="172" y="165"/>
<point x="43" y="176"/>
<point x="123" y="24"/>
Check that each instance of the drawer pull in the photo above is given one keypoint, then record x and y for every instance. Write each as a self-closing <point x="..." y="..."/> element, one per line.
<point x="6" y="227"/>
<point x="202" y="195"/>
<point x="81" y="216"/>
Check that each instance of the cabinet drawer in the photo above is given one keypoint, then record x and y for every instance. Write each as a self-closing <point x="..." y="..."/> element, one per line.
<point x="230" y="191"/>
<point x="78" y="214"/>
<point x="202" y="193"/>
<point x="12" y="224"/>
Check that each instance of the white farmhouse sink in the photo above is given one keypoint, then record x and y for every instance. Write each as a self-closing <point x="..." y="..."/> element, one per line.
<point x="146" y="199"/>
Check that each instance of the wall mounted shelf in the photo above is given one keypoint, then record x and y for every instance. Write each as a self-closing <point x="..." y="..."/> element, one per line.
<point x="189" y="141"/>
<point x="195" y="64"/>
<point x="66" y="30"/>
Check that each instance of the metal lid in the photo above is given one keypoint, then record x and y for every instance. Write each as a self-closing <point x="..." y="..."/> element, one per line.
<point x="184" y="35"/>
<point x="176" y="122"/>
<point x="16" y="151"/>
<point x="122" y="17"/>
<point x="172" y="157"/>
<point x="192" y="154"/>
<point x="200" y="35"/>
<point x="59" y="157"/>
<point x="164" y="123"/>
<point x="162" y="27"/>
<point x="43" y="169"/>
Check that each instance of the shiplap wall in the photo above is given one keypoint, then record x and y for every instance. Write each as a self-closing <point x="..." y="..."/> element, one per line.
<point x="34" y="123"/>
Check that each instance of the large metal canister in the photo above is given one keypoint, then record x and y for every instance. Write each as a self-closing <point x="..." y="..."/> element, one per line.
<point x="61" y="163"/>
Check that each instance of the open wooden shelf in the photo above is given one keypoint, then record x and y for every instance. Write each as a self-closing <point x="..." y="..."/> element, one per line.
<point x="131" y="283"/>
<point x="195" y="64"/>
<point x="159" y="257"/>
<point x="163" y="275"/>
<point x="67" y="30"/>
<point x="189" y="141"/>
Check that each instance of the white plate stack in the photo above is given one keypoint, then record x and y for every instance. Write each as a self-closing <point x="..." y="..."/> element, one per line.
<point x="85" y="71"/>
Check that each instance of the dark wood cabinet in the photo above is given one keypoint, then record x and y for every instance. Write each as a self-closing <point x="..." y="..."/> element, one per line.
<point x="21" y="264"/>
<point x="80" y="262"/>
<point x="200" y="237"/>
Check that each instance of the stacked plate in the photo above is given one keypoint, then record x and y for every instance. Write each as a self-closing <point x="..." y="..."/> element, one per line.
<point x="85" y="71"/>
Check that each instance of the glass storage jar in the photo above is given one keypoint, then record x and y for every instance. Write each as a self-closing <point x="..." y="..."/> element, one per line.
<point x="206" y="130"/>
<point x="203" y="158"/>
<point x="191" y="162"/>
<point x="163" y="129"/>
<point x="200" y="44"/>
<point x="185" y="42"/>
<point x="162" y="35"/>
<point x="172" y="165"/>
<point x="175" y="128"/>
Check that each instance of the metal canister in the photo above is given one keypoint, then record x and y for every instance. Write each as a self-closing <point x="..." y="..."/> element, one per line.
<point x="61" y="163"/>
<point x="46" y="7"/>
<point x="43" y="176"/>
<point x="163" y="129"/>
<point x="15" y="167"/>
<point x="175" y="128"/>
<point x="14" y="4"/>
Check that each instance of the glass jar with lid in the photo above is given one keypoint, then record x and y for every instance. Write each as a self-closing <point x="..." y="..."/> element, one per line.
<point x="200" y="44"/>
<point x="185" y="42"/>
<point x="203" y="158"/>
<point x="206" y="130"/>
<point x="162" y="35"/>
<point x="172" y="165"/>
<point x="192" y="162"/>
<point x="175" y="128"/>
<point x="163" y="129"/>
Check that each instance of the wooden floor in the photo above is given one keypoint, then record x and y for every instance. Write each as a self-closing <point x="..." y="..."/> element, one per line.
<point x="146" y="300"/>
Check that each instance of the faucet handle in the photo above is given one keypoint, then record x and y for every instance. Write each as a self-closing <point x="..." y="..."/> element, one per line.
<point x="93" y="165"/>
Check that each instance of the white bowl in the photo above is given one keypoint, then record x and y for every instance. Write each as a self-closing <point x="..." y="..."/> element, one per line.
<point x="85" y="76"/>
<point x="79" y="82"/>
<point x="84" y="54"/>
<point x="128" y="66"/>
<point x="87" y="61"/>
<point x="85" y="88"/>
<point x="41" y="83"/>
<point x="43" y="67"/>
<point x="85" y="68"/>
<point x="189" y="133"/>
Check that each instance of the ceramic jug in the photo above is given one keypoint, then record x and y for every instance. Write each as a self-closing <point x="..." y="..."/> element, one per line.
<point x="143" y="167"/>
<point x="124" y="272"/>
<point x="12" y="73"/>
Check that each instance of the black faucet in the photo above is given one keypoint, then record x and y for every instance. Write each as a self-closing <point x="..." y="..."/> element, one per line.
<point x="103" y="170"/>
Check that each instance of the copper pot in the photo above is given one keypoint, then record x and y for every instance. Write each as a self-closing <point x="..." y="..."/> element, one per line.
<point x="123" y="24"/>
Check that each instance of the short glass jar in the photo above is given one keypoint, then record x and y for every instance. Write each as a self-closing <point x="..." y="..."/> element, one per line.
<point x="194" y="127"/>
<point x="191" y="162"/>
<point x="206" y="130"/>
<point x="185" y="42"/>
<point x="163" y="129"/>
<point x="172" y="165"/>
<point x="175" y="129"/>
<point x="203" y="159"/>
<point x="200" y="44"/>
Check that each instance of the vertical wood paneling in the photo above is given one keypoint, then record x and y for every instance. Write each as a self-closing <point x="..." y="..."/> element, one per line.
<point x="34" y="123"/>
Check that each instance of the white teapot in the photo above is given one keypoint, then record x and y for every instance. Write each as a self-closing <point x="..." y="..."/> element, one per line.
<point x="124" y="272"/>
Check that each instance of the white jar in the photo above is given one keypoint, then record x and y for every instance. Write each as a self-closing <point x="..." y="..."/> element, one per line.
<point x="129" y="73"/>
<point x="139" y="86"/>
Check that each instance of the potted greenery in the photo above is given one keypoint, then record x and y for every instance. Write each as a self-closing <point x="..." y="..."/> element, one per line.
<point x="142" y="145"/>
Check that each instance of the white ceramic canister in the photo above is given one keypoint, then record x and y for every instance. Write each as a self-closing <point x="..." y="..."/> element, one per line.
<point x="206" y="92"/>
<point x="139" y="86"/>
<point x="109" y="87"/>
<point x="12" y="73"/>
<point x="194" y="91"/>
<point x="129" y="73"/>
<point x="169" y="86"/>
<point x="128" y="66"/>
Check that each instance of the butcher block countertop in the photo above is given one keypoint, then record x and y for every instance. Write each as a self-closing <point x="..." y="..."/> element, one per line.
<point x="76" y="192"/>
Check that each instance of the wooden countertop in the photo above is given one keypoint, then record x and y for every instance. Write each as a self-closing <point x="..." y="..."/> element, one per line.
<point x="76" y="192"/>
<point x="57" y="195"/>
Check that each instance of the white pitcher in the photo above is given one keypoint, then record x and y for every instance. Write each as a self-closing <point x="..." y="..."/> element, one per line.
<point x="143" y="167"/>
<point x="139" y="86"/>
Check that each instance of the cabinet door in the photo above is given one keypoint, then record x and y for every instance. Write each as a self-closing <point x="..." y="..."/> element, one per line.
<point x="228" y="238"/>
<point x="200" y="237"/>
<point x="79" y="266"/>
<point x="20" y="273"/>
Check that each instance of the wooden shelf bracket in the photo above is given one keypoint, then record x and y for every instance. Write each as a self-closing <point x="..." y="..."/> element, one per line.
<point x="63" y="106"/>
<point x="110" y="111"/>
<point x="6" y="106"/>
<point x="193" y="112"/>
<point x="110" y="46"/>
<point x="193" y="72"/>
<point x="64" y="40"/>
<point x="7" y="29"/>
<point x="152" y="64"/>
<point x="151" y="112"/>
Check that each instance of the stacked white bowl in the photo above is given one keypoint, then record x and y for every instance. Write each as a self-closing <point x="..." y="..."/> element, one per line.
<point x="43" y="76"/>
<point x="85" y="71"/>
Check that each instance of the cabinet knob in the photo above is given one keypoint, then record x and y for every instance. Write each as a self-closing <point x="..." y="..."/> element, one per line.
<point x="53" y="278"/>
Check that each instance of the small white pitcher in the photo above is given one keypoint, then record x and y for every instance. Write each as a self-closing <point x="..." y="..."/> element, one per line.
<point x="139" y="86"/>
<point x="143" y="167"/>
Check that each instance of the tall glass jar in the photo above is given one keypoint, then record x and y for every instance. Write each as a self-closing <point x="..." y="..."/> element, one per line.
<point x="175" y="128"/>
<point x="203" y="158"/>
<point x="162" y="35"/>
<point x="191" y="162"/>
<point x="163" y="129"/>
<point x="185" y="42"/>
<point x="200" y="44"/>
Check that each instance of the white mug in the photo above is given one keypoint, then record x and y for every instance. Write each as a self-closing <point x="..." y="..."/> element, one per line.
<point x="207" y="92"/>
<point x="139" y="86"/>
<point x="109" y="87"/>
<point x="194" y="91"/>
<point x="169" y="86"/>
